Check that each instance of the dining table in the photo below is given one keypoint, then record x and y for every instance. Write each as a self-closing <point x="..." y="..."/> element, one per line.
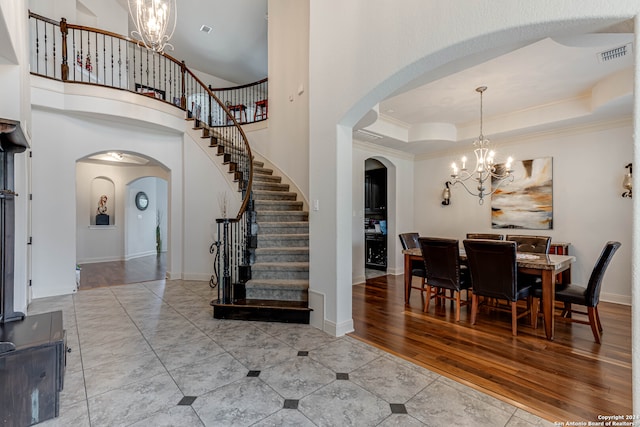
<point x="549" y="267"/>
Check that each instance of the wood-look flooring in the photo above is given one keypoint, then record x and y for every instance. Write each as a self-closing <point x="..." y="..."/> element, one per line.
<point x="143" y="269"/>
<point x="569" y="379"/>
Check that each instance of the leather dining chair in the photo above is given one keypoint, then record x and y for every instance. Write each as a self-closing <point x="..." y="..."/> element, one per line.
<point x="533" y="244"/>
<point x="410" y="241"/>
<point x="488" y="236"/>
<point x="442" y="262"/>
<point x="494" y="275"/>
<point x="588" y="296"/>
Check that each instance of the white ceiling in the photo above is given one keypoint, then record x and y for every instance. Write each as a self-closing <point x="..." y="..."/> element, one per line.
<point x="549" y="79"/>
<point x="236" y="48"/>
<point x="547" y="75"/>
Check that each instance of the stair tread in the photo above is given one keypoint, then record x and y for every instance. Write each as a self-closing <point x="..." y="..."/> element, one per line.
<point x="263" y="171"/>
<point x="292" y="236"/>
<point x="267" y="303"/>
<point x="279" y="202"/>
<point x="299" y="283"/>
<point x="281" y="223"/>
<point x="280" y="264"/>
<point x="268" y="179"/>
<point x="276" y="192"/>
<point x="283" y="212"/>
<point x="284" y="250"/>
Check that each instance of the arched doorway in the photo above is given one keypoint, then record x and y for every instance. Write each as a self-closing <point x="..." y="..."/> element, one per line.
<point x="375" y="217"/>
<point x="117" y="234"/>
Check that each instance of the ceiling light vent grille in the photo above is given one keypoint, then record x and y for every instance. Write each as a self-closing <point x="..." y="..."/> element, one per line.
<point x="206" y="29"/>
<point x="615" y="53"/>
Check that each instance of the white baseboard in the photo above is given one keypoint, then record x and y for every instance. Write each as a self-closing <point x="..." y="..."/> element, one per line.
<point x="101" y="259"/>
<point x="115" y="258"/>
<point x="395" y="271"/>
<point x="615" y="298"/>
<point x="316" y="303"/>
<point x="338" y="330"/>
<point x="170" y="276"/>
<point x="196" y="276"/>
<point x="359" y="279"/>
<point x="140" y="255"/>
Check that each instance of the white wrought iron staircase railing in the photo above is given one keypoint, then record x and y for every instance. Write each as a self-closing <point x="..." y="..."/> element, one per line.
<point x="85" y="55"/>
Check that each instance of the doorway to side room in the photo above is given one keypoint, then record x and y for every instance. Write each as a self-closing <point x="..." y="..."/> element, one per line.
<point x="375" y="218"/>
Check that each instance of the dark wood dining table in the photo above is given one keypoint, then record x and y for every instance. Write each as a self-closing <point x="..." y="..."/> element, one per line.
<point x="548" y="267"/>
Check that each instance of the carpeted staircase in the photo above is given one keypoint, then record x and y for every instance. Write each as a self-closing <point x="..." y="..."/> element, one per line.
<point x="279" y="281"/>
<point x="281" y="268"/>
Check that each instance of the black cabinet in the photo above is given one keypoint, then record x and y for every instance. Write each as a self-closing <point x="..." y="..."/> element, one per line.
<point x="32" y="364"/>
<point x="375" y="191"/>
<point x="375" y="251"/>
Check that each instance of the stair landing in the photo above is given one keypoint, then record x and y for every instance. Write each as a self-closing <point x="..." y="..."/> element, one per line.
<point x="263" y="311"/>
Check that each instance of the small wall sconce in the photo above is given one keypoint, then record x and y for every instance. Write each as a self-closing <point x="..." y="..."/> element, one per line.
<point x="446" y="194"/>
<point x="627" y="182"/>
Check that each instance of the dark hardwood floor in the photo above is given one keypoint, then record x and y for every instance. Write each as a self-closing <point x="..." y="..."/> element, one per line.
<point x="569" y="379"/>
<point x="143" y="269"/>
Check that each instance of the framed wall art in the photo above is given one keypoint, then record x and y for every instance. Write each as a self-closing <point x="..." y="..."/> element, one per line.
<point x="527" y="202"/>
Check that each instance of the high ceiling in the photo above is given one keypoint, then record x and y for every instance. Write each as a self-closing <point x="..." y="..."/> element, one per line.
<point x="545" y="85"/>
<point x="558" y="82"/>
<point x="234" y="50"/>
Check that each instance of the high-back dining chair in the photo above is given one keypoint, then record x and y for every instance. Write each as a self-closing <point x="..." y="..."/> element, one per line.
<point x="494" y="274"/>
<point x="533" y="244"/>
<point x="410" y="241"/>
<point x="442" y="262"/>
<point x="488" y="236"/>
<point x="589" y="297"/>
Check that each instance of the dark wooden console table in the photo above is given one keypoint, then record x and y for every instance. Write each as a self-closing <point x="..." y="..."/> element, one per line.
<point x="32" y="364"/>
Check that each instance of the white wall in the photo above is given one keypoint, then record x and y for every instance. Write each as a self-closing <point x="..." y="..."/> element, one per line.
<point x="61" y="137"/>
<point x="106" y="15"/>
<point x="287" y="146"/>
<point x="59" y="140"/>
<point x="588" y="211"/>
<point x="119" y="240"/>
<point x="162" y="205"/>
<point x="141" y="224"/>
<point x="205" y="184"/>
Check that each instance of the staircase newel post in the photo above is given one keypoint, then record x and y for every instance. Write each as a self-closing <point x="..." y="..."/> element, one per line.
<point x="64" y="67"/>
<point x="226" y="273"/>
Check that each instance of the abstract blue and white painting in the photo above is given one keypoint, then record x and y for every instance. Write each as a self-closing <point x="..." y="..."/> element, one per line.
<point x="527" y="202"/>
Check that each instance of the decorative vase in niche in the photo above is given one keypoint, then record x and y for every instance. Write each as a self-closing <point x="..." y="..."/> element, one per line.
<point x="101" y="213"/>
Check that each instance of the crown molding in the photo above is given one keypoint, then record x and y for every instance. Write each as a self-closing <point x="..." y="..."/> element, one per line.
<point x="577" y="129"/>
<point x="380" y="149"/>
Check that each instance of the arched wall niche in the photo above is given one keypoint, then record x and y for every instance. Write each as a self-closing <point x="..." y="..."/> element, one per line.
<point x="102" y="201"/>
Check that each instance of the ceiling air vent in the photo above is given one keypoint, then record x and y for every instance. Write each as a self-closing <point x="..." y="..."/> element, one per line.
<point x="615" y="53"/>
<point x="206" y="29"/>
<point x="368" y="136"/>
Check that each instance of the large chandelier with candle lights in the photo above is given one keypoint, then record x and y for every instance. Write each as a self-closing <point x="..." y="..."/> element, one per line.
<point x="485" y="170"/>
<point x="155" y="22"/>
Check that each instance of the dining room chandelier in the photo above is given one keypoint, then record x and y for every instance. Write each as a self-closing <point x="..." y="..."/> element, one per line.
<point x="485" y="169"/>
<point x="155" y="22"/>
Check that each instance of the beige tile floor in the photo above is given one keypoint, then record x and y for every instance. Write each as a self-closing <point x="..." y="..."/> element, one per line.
<point x="151" y="354"/>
